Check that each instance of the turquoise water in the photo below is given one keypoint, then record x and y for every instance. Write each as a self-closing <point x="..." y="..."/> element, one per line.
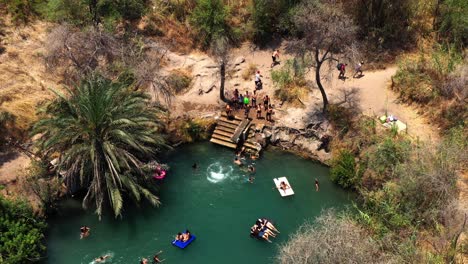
<point x="215" y="202"/>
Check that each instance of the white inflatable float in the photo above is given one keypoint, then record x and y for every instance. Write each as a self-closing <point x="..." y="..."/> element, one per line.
<point x="283" y="191"/>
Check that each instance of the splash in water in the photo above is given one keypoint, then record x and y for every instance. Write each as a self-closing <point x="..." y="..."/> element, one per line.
<point x="216" y="172"/>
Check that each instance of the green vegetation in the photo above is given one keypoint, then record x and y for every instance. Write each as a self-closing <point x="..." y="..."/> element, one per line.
<point x="343" y="171"/>
<point x="290" y="81"/>
<point x="209" y="19"/>
<point x="104" y="133"/>
<point x="88" y="12"/>
<point x="436" y="81"/>
<point x="22" y="233"/>
<point x="270" y="18"/>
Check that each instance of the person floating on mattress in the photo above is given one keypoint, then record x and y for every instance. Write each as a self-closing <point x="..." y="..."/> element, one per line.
<point x="179" y="237"/>
<point x="186" y="236"/>
<point x="268" y="224"/>
<point x="284" y="186"/>
<point x="264" y="233"/>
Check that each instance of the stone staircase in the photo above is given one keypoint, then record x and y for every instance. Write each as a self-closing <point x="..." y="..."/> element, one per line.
<point x="236" y="133"/>
<point x="224" y="133"/>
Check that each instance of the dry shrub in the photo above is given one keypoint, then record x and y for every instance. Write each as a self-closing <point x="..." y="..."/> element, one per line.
<point x="249" y="72"/>
<point x="332" y="239"/>
<point x="179" y="80"/>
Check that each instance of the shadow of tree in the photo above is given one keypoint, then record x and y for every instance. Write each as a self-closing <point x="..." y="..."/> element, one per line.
<point x="7" y="155"/>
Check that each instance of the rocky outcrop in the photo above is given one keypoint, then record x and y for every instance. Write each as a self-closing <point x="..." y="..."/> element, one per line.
<point x="311" y="142"/>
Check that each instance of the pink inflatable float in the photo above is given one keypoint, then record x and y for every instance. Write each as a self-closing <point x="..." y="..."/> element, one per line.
<point x="159" y="174"/>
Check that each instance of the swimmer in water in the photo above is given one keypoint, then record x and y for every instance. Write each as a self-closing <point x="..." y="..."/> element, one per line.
<point x="144" y="261"/>
<point x="237" y="161"/>
<point x="101" y="258"/>
<point x="156" y="258"/>
<point x="251" y="169"/>
<point x="251" y="179"/>
<point x="195" y="166"/>
<point x="317" y="186"/>
<point x="84" y="232"/>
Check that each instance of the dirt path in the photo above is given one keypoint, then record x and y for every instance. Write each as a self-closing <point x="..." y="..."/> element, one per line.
<point x="375" y="99"/>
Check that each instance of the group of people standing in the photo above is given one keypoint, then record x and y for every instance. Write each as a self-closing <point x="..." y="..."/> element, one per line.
<point x="248" y="101"/>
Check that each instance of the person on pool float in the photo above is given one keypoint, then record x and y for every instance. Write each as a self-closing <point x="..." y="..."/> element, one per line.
<point x="101" y="258"/>
<point x="179" y="237"/>
<point x="265" y="230"/>
<point x="284" y="186"/>
<point x="186" y="236"/>
<point x="265" y="222"/>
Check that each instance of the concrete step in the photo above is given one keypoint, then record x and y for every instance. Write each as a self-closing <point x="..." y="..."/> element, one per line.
<point x="234" y="122"/>
<point x="223" y="123"/>
<point x="221" y="137"/>
<point x="251" y="145"/>
<point x="226" y="129"/>
<point x="223" y="133"/>
<point x="223" y="143"/>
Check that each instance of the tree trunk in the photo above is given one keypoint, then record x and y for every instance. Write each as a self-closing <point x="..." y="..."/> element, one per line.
<point x="319" y="83"/>
<point x="94" y="12"/>
<point x="222" y="72"/>
<point x="322" y="90"/>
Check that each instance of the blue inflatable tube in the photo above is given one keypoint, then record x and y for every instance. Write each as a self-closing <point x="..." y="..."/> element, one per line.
<point x="183" y="245"/>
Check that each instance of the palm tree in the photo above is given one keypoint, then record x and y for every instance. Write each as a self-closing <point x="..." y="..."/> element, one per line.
<point x="104" y="134"/>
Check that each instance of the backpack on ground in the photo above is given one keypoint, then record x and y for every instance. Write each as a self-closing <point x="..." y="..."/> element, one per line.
<point x="339" y="66"/>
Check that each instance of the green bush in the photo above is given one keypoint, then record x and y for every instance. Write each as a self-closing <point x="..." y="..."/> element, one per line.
<point x="452" y="22"/>
<point x="388" y="155"/>
<point x="270" y="17"/>
<point x="83" y="13"/>
<point x="343" y="170"/>
<point x="23" y="10"/>
<point x="209" y="19"/>
<point x="385" y="23"/>
<point x="289" y="80"/>
<point x="21" y="233"/>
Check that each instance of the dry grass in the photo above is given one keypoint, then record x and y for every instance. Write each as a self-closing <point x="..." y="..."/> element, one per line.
<point x="24" y="83"/>
<point x="249" y="72"/>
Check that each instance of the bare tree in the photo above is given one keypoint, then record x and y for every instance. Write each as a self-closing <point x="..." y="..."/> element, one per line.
<point x="74" y="54"/>
<point x="326" y="33"/>
<point x="220" y="50"/>
<point x="332" y="240"/>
